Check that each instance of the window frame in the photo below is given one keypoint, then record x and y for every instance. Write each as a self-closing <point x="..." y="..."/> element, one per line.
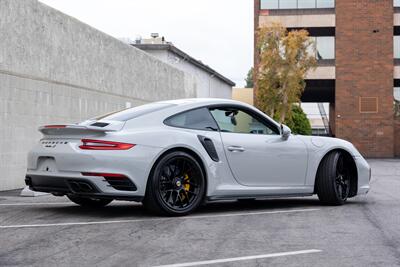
<point x="262" y="118"/>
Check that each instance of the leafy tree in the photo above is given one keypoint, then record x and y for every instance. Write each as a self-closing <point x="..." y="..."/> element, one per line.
<point x="285" y="59"/>
<point x="299" y="123"/>
<point x="249" y="79"/>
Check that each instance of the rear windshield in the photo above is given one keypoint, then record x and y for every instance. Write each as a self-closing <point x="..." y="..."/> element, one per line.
<point x="131" y="113"/>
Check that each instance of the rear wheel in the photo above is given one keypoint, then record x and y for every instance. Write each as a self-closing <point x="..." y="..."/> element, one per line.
<point x="176" y="185"/>
<point x="333" y="179"/>
<point x="89" y="202"/>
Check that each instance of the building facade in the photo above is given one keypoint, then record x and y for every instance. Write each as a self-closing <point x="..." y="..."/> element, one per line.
<point x="56" y="69"/>
<point x="209" y="82"/>
<point x="358" y="73"/>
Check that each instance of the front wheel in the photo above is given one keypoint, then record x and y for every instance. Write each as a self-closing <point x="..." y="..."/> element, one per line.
<point x="176" y="185"/>
<point x="333" y="179"/>
<point x="89" y="202"/>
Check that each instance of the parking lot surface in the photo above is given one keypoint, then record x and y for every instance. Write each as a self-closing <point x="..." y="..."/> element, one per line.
<point x="49" y="231"/>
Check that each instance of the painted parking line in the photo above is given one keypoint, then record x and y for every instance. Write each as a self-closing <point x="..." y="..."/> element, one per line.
<point x="158" y="219"/>
<point x="246" y="258"/>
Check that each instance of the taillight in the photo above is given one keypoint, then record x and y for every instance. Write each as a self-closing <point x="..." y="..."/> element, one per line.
<point x="108" y="175"/>
<point x="104" y="145"/>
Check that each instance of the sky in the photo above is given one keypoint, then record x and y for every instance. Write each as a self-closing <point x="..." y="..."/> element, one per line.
<point x="217" y="32"/>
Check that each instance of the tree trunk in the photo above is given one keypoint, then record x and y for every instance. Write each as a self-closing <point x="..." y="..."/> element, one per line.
<point x="284" y="105"/>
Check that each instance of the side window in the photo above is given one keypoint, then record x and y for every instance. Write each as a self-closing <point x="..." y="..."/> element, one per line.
<point x="237" y="121"/>
<point x="199" y="119"/>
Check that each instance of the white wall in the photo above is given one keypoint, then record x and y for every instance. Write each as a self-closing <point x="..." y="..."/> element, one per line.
<point x="207" y="85"/>
<point x="55" y="69"/>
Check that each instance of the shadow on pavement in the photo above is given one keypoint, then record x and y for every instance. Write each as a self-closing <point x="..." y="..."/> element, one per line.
<point x="128" y="211"/>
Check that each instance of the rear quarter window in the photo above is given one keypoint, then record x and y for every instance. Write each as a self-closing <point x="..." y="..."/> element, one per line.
<point x="198" y="119"/>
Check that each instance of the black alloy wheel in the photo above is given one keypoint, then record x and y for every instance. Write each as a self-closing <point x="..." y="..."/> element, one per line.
<point x="176" y="186"/>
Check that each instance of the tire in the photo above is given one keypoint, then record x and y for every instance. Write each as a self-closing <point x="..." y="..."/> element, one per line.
<point x="333" y="179"/>
<point x="89" y="202"/>
<point x="176" y="185"/>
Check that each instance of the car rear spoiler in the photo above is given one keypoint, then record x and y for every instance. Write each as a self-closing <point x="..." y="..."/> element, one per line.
<point x="76" y="129"/>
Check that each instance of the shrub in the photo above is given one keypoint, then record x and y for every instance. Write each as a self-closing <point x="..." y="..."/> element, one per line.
<point x="298" y="122"/>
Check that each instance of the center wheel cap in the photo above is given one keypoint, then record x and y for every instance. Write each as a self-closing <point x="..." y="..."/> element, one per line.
<point x="178" y="183"/>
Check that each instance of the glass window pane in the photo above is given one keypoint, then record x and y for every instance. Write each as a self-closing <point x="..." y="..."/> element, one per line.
<point x="287" y="4"/>
<point x="325" y="3"/>
<point x="396" y="3"/>
<point x="396" y="41"/>
<point x="236" y="121"/>
<point x="326" y="47"/>
<point x="200" y="119"/>
<point x="269" y="4"/>
<point x="397" y="93"/>
<point x="307" y="3"/>
<point x="312" y="48"/>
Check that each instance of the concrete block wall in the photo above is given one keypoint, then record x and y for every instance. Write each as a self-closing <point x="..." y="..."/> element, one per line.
<point x="55" y="69"/>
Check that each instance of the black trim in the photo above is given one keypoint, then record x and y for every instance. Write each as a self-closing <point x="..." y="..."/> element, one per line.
<point x="396" y="83"/>
<point x="396" y="30"/>
<point x="317" y="31"/>
<point x="209" y="147"/>
<point x="64" y="185"/>
<point x="259" y="196"/>
<point x="319" y="91"/>
<point x="99" y="124"/>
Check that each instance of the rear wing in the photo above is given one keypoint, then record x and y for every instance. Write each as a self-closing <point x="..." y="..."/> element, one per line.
<point x="77" y="129"/>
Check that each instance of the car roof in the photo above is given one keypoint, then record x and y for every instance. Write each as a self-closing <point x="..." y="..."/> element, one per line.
<point x="201" y="101"/>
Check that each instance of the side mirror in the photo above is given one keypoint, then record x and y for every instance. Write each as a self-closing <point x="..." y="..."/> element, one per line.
<point x="285" y="132"/>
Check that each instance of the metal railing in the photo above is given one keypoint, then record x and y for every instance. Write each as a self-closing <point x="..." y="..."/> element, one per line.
<point x="325" y="118"/>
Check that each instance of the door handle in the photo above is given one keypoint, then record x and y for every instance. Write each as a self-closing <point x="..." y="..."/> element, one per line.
<point x="236" y="149"/>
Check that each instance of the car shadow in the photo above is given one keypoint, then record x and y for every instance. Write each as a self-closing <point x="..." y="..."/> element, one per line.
<point x="127" y="210"/>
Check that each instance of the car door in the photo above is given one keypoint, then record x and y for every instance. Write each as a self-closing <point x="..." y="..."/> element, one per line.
<point x="256" y="153"/>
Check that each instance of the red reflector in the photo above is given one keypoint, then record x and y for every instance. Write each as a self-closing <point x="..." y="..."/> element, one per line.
<point x="104" y="145"/>
<point x="108" y="175"/>
<point x="55" y="126"/>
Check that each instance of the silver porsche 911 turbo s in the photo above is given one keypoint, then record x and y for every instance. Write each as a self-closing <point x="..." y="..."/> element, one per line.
<point x="175" y="155"/>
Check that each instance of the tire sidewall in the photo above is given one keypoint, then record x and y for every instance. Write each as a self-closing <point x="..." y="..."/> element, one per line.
<point x="154" y="184"/>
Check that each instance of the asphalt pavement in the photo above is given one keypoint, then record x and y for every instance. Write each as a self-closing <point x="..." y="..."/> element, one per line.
<point x="51" y="231"/>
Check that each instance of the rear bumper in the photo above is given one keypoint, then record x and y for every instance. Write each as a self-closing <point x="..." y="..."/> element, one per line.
<point x="76" y="186"/>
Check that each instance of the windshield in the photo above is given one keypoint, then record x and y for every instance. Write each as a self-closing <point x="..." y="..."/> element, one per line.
<point x="131" y="113"/>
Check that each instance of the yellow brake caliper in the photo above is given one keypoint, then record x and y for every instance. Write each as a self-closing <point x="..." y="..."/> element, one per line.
<point x="186" y="185"/>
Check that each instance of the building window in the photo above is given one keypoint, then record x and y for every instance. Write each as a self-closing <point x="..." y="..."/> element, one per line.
<point x="306" y="4"/>
<point x="396" y="42"/>
<point x="324" y="47"/>
<point x="397" y="93"/>
<point x="396" y="3"/>
<point x="269" y="4"/>
<point x="297" y="4"/>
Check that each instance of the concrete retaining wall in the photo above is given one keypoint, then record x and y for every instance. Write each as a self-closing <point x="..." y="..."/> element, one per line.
<point x="55" y="69"/>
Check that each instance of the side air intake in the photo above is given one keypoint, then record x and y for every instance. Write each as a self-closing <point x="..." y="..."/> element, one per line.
<point x="209" y="147"/>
